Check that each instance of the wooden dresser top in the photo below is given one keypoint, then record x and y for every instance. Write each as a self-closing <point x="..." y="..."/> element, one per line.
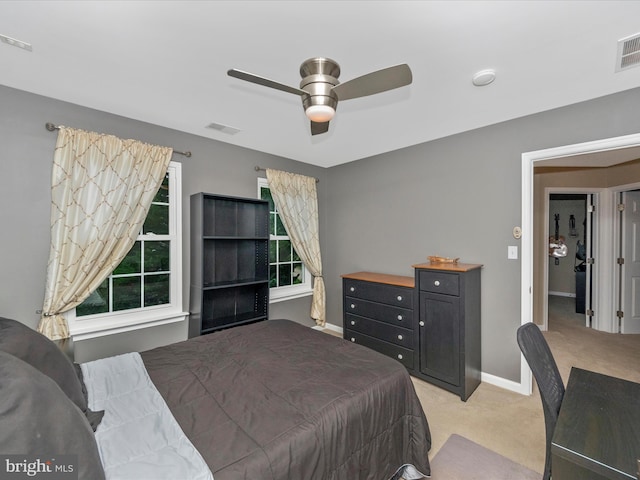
<point x="398" y="280"/>
<point x="451" y="267"/>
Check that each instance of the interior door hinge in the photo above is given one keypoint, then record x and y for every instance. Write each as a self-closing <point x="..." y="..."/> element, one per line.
<point x="620" y="314"/>
<point x="621" y="207"/>
<point x="591" y="208"/>
<point x="620" y="261"/>
<point x="591" y="260"/>
<point x="590" y="312"/>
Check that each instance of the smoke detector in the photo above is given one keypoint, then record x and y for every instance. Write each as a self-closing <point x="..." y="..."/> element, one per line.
<point x="484" y="77"/>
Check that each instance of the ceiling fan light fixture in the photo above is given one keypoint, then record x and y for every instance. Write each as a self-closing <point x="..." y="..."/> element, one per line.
<point x="320" y="113"/>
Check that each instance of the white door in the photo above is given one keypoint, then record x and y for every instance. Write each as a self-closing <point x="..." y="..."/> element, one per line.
<point x="630" y="292"/>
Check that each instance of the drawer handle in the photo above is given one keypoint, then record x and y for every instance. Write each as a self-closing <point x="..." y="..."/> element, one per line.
<point x="399" y="337"/>
<point x="400" y="317"/>
<point x="353" y="322"/>
<point x="399" y="298"/>
<point x="437" y="283"/>
<point x="353" y="339"/>
<point x="353" y="305"/>
<point x="421" y="324"/>
<point x="352" y="289"/>
<point x="399" y="356"/>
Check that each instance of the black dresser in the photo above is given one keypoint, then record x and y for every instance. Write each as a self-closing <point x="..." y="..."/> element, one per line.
<point x="378" y="313"/>
<point x="430" y="322"/>
<point x="449" y="325"/>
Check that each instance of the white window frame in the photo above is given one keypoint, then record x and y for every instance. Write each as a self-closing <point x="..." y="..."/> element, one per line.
<point x="280" y="294"/>
<point x="98" y="325"/>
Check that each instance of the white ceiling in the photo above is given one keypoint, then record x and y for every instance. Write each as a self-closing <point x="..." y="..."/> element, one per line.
<point x="165" y="62"/>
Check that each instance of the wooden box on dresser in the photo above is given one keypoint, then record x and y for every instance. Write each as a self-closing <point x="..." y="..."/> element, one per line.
<point x="379" y="314"/>
<point x="449" y="328"/>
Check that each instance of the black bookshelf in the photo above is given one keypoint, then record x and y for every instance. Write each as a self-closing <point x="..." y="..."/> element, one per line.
<point x="229" y="262"/>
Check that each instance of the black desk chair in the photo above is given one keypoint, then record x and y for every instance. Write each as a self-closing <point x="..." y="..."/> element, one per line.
<point x="540" y="359"/>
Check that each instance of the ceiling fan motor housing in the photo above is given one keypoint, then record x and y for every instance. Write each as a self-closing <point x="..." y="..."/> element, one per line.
<point x="319" y="76"/>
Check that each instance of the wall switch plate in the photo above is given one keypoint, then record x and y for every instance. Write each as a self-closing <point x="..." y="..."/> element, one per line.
<point x="512" y="252"/>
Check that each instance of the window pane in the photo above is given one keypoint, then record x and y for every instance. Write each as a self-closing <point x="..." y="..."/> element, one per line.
<point x="273" y="277"/>
<point x="298" y="274"/>
<point x="156" y="290"/>
<point x="284" y="274"/>
<point x="272" y="223"/>
<point x="284" y="251"/>
<point x="280" y="230"/>
<point x="296" y="258"/>
<point x="131" y="262"/>
<point x="157" y="220"/>
<point x="156" y="256"/>
<point x="97" y="302"/>
<point x="265" y="194"/>
<point x="272" y="252"/>
<point x="126" y="293"/>
<point x="163" y="192"/>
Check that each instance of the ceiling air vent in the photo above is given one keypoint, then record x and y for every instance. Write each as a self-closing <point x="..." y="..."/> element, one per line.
<point x="223" y="128"/>
<point x="628" y="52"/>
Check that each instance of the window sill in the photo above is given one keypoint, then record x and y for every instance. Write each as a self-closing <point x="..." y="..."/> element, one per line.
<point x="275" y="297"/>
<point x="93" y="328"/>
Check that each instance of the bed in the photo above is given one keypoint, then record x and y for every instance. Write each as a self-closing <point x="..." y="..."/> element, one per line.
<point x="268" y="401"/>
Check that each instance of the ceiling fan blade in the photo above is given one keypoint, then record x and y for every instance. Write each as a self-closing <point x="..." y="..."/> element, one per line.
<point x="250" y="77"/>
<point x="319" y="127"/>
<point x="375" y="82"/>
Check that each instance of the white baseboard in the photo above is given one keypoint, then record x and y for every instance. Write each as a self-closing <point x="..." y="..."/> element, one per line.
<point x="504" y="383"/>
<point x="330" y="326"/>
<point x="562" y="294"/>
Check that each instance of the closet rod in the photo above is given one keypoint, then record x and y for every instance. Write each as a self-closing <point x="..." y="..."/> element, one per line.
<point x="258" y="169"/>
<point x="51" y="127"/>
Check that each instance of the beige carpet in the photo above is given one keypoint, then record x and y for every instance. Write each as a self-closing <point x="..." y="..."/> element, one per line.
<point x="508" y="423"/>
<point x="461" y="459"/>
<point x="575" y="345"/>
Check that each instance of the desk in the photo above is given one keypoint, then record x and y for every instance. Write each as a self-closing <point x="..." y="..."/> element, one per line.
<point x="597" y="435"/>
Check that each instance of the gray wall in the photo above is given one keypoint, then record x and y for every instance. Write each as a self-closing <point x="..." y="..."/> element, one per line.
<point x="26" y="154"/>
<point x="459" y="196"/>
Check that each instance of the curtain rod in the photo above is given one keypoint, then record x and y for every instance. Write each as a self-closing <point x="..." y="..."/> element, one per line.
<point x="51" y="127"/>
<point x="258" y="169"/>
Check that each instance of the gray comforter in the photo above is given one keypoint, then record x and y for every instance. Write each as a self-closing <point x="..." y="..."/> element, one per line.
<point x="276" y="400"/>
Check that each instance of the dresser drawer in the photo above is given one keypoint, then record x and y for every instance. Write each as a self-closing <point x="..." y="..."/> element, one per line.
<point x="378" y="292"/>
<point x="384" y="313"/>
<point x="403" y="355"/>
<point x="383" y="331"/>
<point x="439" y="282"/>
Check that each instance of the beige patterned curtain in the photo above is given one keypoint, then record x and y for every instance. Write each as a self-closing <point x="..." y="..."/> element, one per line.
<point x="296" y="199"/>
<point x="101" y="191"/>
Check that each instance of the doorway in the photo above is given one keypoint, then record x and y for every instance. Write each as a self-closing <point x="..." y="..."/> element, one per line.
<point x="607" y="152"/>
<point x="570" y="282"/>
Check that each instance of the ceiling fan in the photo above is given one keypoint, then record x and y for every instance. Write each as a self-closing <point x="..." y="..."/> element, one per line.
<point x="320" y="89"/>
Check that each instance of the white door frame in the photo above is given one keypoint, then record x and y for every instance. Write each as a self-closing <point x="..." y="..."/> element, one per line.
<point x="529" y="159"/>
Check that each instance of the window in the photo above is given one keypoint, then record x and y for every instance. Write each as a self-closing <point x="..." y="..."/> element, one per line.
<point x="288" y="277"/>
<point x="145" y="289"/>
